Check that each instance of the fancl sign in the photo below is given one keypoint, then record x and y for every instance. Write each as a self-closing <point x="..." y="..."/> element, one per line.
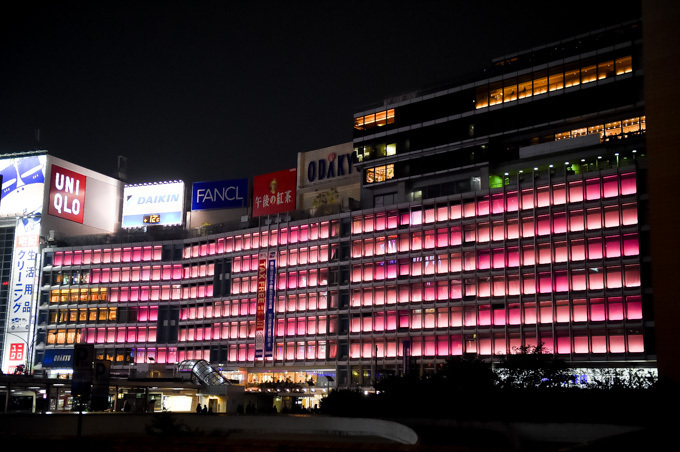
<point x="335" y="165"/>
<point x="225" y="194"/>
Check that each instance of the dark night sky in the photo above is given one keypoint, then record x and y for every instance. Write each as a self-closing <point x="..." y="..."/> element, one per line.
<point x="208" y="90"/>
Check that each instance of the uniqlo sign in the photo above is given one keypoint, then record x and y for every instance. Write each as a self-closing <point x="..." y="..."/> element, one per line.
<point x="16" y="352"/>
<point x="67" y="194"/>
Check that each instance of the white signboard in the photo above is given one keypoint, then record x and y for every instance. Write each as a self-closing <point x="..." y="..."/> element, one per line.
<point x="157" y="204"/>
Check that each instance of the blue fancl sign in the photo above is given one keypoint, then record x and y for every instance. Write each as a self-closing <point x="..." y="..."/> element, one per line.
<point x="223" y="194"/>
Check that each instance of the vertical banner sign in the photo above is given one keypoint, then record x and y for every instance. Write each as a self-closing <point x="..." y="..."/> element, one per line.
<point x="261" y="305"/>
<point x="271" y="295"/>
<point x="22" y="294"/>
<point x="67" y="194"/>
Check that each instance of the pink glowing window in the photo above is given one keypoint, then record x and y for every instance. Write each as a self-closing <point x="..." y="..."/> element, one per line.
<point x="633" y="307"/>
<point x="442" y="237"/>
<point x="498" y="230"/>
<point x="611" y="216"/>
<point x="484" y="315"/>
<point x="561" y="252"/>
<point x="578" y="279"/>
<point x="483" y="207"/>
<point x="576" y="191"/>
<point x="528" y="227"/>
<point x="580" y="344"/>
<point x="561" y="281"/>
<point x="610" y="186"/>
<point x="631" y="245"/>
<point x="617" y="344"/>
<point x="485" y="346"/>
<point x="613" y="246"/>
<point x="499" y="316"/>
<point x="636" y="343"/>
<point x="455" y="212"/>
<point x="594" y="218"/>
<point x="544" y="253"/>
<point x="456" y="290"/>
<point x="484" y="287"/>
<point x="513" y="285"/>
<point x="528" y="255"/>
<point x="529" y="284"/>
<point x="513" y="257"/>
<point x="632" y="275"/>
<point x="615" y="308"/>
<point x="469" y="209"/>
<point x="543" y="196"/>
<point x="592" y="189"/>
<point x="595" y="248"/>
<point x="512" y="201"/>
<point x="497" y="204"/>
<point x="483" y="232"/>
<point x="442" y="213"/>
<point x="563" y="345"/>
<point x="498" y="286"/>
<point x="527" y="199"/>
<point x="559" y="223"/>
<point x="559" y="194"/>
<point x="470" y="317"/>
<point x="629" y="214"/>
<point x="576" y="221"/>
<point x="545" y="283"/>
<point x="595" y="278"/>
<point x="498" y="255"/>
<point x="484" y="260"/>
<point x="543" y="225"/>
<point x="628" y="185"/>
<point x="456" y="237"/>
<point x="514" y="314"/>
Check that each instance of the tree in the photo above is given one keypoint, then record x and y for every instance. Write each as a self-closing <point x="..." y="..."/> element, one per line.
<point x="533" y="367"/>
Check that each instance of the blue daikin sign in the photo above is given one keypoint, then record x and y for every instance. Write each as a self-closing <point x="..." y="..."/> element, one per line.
<point x="222" y="194"/>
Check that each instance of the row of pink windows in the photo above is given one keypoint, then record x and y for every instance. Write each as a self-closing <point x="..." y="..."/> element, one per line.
<point x="246" y="329"/>
<point x="118" y="335"/>
<point x="456" y="345"/>
<point x="557" y="194"/>
<point x="596" y="278"/>
<point x="160" y="293"/>
<point x="151" y="273"/>
<point x="527" y="313"/>
<point x="291" y="257"/>
<point x="264" y="239"/>
<point x="244" y="307"/>
<point x="289" y="351"/>
<point x="509" y="229"/>
<point x="292" y="280"/>
<point x="560" y="252"/>
<point x="108" y="255"/>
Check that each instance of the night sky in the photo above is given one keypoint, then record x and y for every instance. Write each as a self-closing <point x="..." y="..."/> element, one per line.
<point x="207" y="90"/>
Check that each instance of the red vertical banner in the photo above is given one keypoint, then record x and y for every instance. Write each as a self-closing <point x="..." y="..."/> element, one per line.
<point x="261" y="305"/>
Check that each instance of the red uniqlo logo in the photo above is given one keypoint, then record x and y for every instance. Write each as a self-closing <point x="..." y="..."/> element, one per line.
<point x="16" y="352"/>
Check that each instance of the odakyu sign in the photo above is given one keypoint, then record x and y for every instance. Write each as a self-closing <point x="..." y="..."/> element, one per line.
<point x="23" y="185"/>
<point x="334" y="165"/>
<point x="223" y="194"/>
<point x="67" y="194"/>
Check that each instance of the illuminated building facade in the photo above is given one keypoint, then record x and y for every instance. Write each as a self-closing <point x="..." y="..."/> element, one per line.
<point x="508" y="211"/>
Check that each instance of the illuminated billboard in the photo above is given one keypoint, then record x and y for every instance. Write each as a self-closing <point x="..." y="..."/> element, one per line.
<point x="23" y="185"/>
<point x="274" y="192"/>
<point x="23" y="293"/>
<point x="153" y="204"/>
<point x="67" y="194"/>
<point x="223" y="194"/>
